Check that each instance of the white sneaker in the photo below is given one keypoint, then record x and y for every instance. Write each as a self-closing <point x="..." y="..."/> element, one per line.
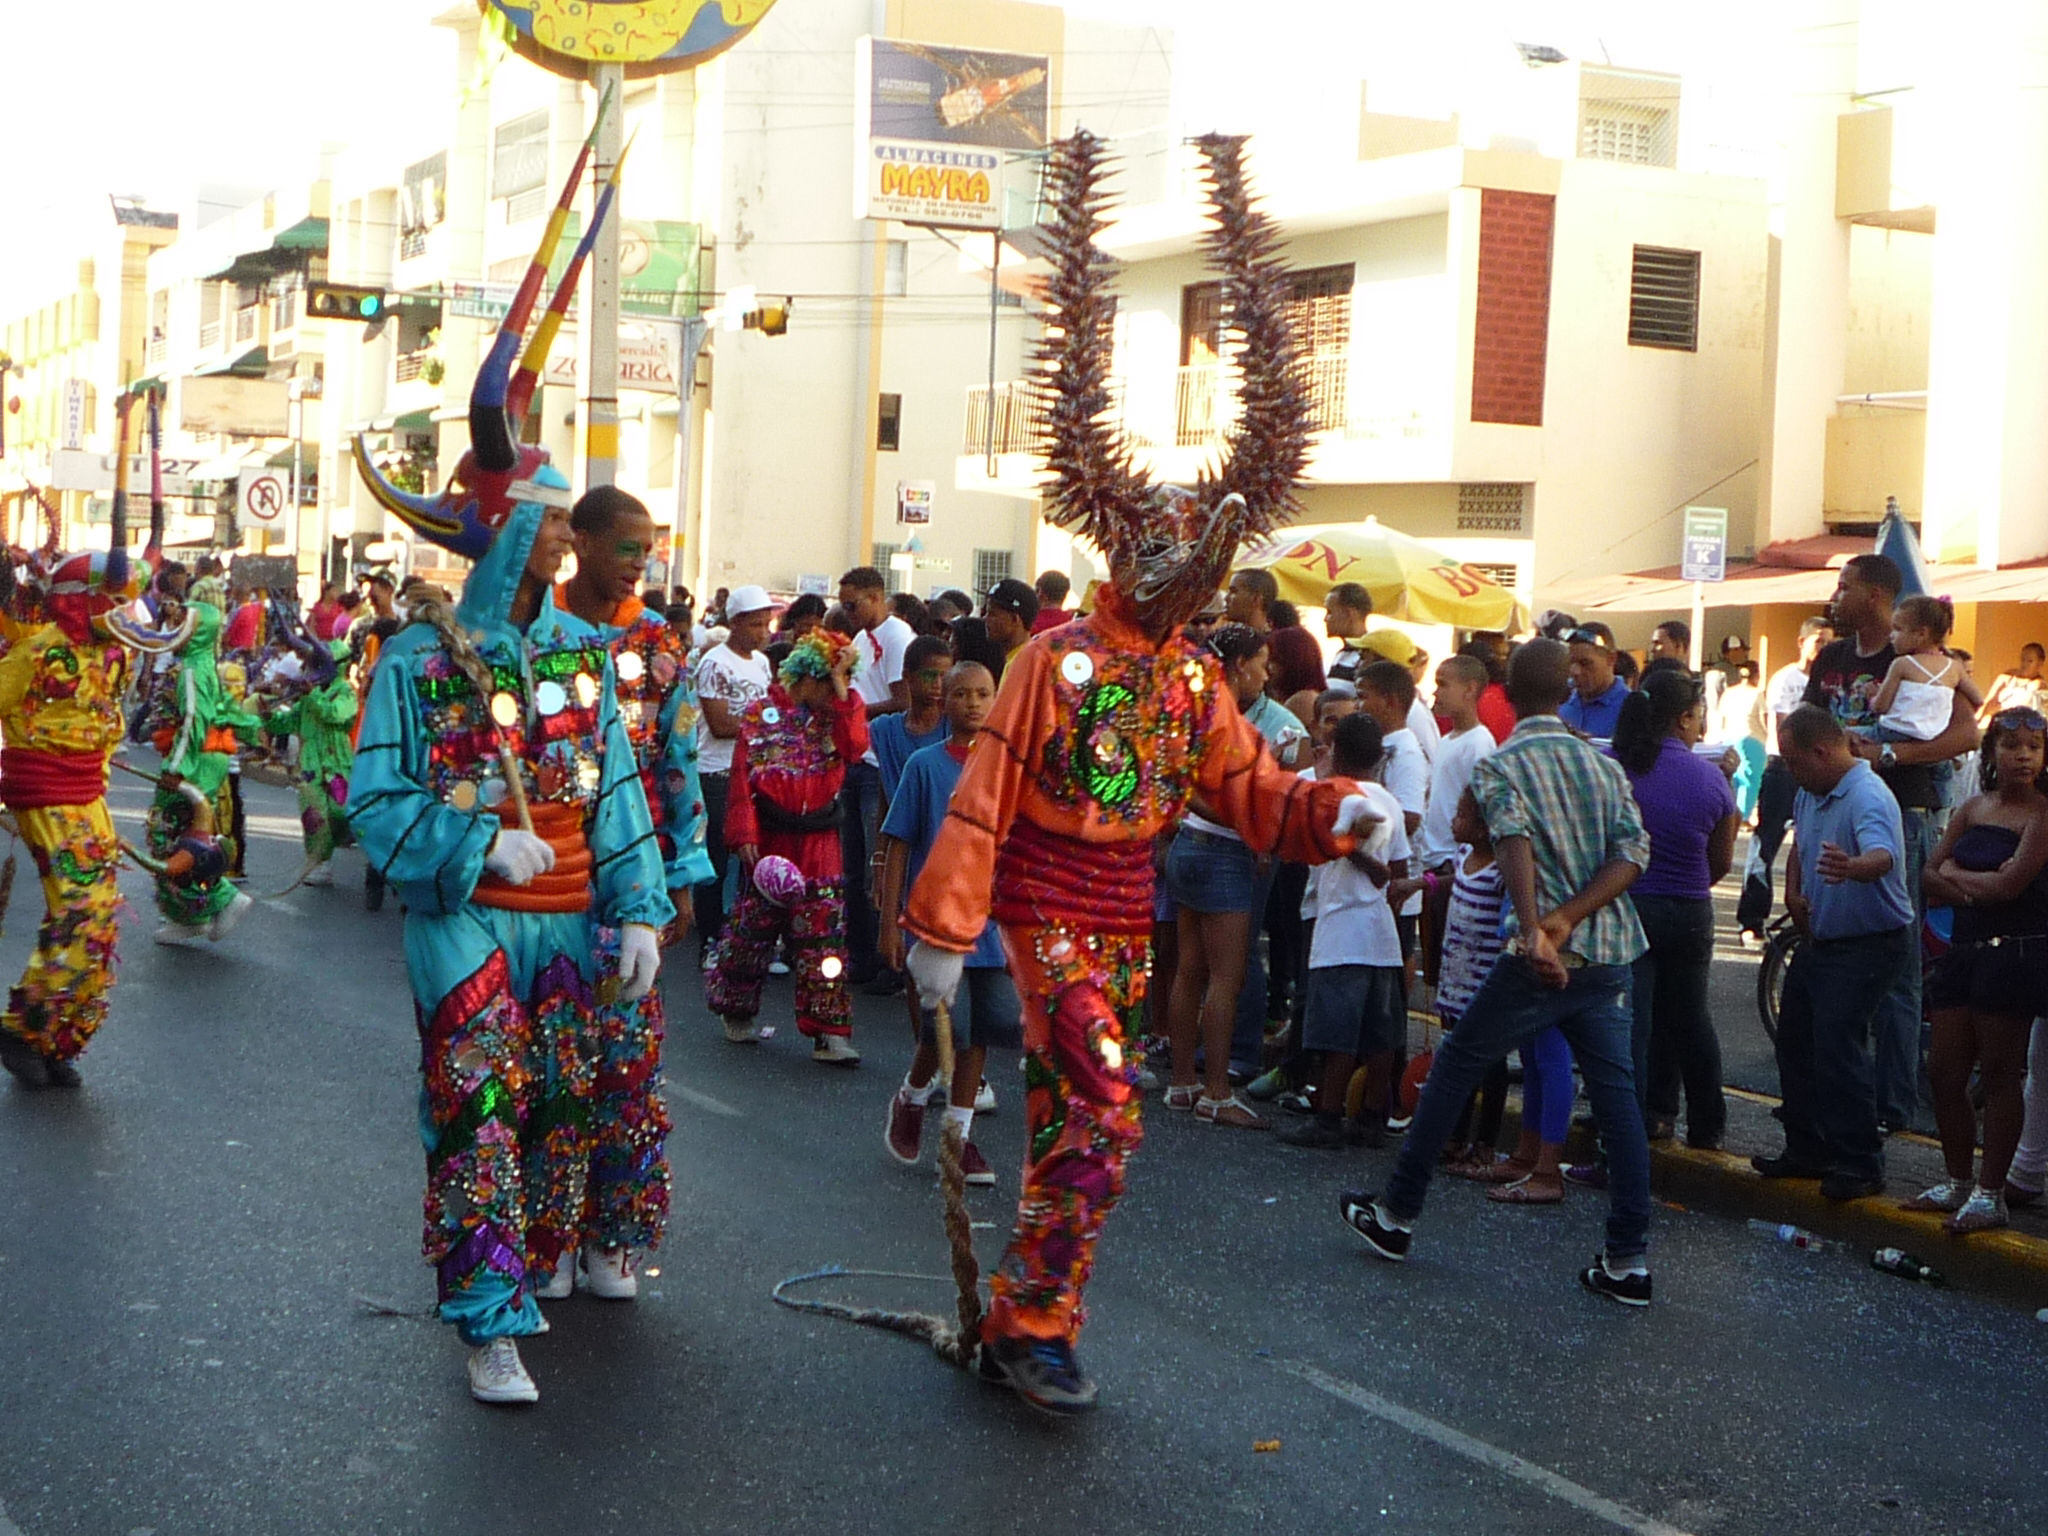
<point x="320" y="874"/>
<point x="230" y="915"/>
<point x="497" y="1376"/>
<point x="834" y="1051"/>
<point x="178" y="933"/>
<point x="562" y="1283"/>
<point x="607" y="1273"/>
<point x="984" y="1099"/>
<point x="742" y="1032"/>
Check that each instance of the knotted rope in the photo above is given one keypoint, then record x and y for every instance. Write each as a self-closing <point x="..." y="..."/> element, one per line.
<point x="954" y="1344"/>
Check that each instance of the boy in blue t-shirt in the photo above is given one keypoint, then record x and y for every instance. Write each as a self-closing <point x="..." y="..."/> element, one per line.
<point x="917" y="809"/>
<point x="922" y="722"/>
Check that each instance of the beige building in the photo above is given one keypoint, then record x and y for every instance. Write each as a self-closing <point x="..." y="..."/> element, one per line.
<point x="1532" y="350"/>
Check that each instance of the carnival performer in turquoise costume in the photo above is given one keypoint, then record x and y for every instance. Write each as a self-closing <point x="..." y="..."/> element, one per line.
<point x="627" y="1201"/>
<point x="495" y="787"/>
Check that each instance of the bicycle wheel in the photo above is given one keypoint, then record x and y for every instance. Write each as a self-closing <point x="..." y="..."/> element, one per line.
<point x="1770" y="977"/>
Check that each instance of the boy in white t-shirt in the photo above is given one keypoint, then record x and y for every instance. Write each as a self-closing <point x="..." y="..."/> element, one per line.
<point x="1357" y="1004"/>
<point x="1459" y="682"/>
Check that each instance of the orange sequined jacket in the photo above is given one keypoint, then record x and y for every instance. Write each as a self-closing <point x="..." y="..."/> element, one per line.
<point x="1097" y="741"/>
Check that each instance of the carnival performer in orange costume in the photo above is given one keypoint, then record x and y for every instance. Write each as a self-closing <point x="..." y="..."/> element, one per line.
<point x="1101" y="733"/>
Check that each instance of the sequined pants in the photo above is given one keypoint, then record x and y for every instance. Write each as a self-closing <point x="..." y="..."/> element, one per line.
<point x="322" y="821"/>
<point x="626" y="1194"/>
<point x="194" y="906"/>
<point x="62" y="997"/>
<point x="816" y="928"/>
<point x="1081" y="992"/>
<point x="509" y="1066"/>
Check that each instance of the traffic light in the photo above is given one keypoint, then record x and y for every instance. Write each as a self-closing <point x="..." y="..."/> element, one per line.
<point x="769" y="319"/>
<point x="343" y="301"/>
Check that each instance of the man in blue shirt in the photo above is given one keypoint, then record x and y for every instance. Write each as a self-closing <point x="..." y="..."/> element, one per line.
<point x="1846" y="888"/>
<point x="1595" y="704"/>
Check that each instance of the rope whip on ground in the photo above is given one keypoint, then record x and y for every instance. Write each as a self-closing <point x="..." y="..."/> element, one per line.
<point x="952" y="1343"/>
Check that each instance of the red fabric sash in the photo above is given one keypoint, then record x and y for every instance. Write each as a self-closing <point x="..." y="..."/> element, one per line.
<point x="31" y="779"/>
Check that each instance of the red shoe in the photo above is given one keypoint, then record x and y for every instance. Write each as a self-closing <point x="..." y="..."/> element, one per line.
<point x="975" y="1167"/>
<point x="904" y="1134"/>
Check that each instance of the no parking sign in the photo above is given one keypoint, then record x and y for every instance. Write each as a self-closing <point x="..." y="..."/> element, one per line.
<point x="261" y="499"/>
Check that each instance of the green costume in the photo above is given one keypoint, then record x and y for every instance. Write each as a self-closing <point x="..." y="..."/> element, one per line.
<point x="208" y="724"/>
<point x="321" y="718"/>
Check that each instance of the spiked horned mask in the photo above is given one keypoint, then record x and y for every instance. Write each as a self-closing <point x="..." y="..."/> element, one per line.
<point x="1168" y="546"/>
<point x="500" y="472"/>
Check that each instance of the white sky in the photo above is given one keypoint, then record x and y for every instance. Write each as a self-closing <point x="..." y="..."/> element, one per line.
<point x="165" y="98"/>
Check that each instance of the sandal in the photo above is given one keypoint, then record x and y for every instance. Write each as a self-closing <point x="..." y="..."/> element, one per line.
<point x="1948" y="1195"/>
<point x="1232" y="1112"/>
<point x="1984" y="1210"/>
<point x="1504" y="1170"/>
<point x="1182" y="1095"/>
<point x="1520" y="1193"/>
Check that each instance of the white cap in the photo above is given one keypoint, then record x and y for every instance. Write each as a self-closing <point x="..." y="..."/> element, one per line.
<point x="747" y="599"/>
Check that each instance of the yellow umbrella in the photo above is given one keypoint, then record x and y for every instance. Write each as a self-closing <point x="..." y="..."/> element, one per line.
<point x="1407" y="578"/>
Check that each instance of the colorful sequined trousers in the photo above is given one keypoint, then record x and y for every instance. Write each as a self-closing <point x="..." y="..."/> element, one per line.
<point x="815" y="928"/>
<point x="509" y="1066"/>
<point x="323" y="823"/>
<point x="627" y="1192"/>
<point x="62" y="997"/>
<point x="1082" y="992"/>
<point x="194" y="906"/>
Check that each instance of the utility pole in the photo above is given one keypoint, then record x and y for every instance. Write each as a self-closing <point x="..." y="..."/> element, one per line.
<point x="601" y="312"/>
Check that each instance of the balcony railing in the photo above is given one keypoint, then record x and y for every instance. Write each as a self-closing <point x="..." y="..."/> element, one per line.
<point x="284" y="309"/>
<point x="1205" y="398"/>
<point x="209" y="334"/>
<point x="412" y="243"/>
<point x="247" y="323"/>
<point x="409" y="365"/>
<point x="159" y="349"/>
<point x="1019" y="417"/>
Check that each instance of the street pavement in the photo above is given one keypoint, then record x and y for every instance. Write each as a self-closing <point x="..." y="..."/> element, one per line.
<point x="212" y="1318"/>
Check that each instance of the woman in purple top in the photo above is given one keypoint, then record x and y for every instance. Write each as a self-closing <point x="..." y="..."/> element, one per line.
<point x="1689" y="811"/>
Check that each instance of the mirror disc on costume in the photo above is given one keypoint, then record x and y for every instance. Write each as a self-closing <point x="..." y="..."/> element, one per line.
<point x="1197" y="678"/>
<point x="630" y="666"/>
<point x="492" y="792"/>
<point x="1078" y="668"/>
<point x="462" y="795"/>
<point x="586" y="690"/>
<point x="505" y="709"/>
<point x="588" y="774"/>
<point x="550" y="698"/>
<point x="771" y="716"/>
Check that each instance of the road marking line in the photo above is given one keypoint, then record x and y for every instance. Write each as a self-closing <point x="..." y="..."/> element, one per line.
<point x="1462" y="1444"/>
<point x="701" y="1100"/>
<point x="7" y="1526"/>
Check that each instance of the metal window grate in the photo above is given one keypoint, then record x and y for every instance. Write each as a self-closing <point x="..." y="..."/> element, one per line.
<point x="990" y="567"/>
<point x="1490" y="507"/>
<point x="1664" y="299"/>
<point x="530" y="204"/>
<point x="1501" y="573"/>
<point x="882" y="554"/>
<point x="1634" y="135"/>
<point x="519" y="158"/>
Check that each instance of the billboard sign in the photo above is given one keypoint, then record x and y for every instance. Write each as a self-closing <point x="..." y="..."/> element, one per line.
<point x="937" y="130"/>
<point x="222" y="402"/>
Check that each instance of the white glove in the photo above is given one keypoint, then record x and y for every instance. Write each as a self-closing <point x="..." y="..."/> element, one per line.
<point x="516" y="856"/>
<point x="639" y="961"/>
<point x="1352" y="811"/>
<point x="936" y="972"/>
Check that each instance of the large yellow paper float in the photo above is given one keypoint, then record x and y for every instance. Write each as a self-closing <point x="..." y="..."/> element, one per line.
<point x="1408" y="579"/>
<point x="647" y="36"/>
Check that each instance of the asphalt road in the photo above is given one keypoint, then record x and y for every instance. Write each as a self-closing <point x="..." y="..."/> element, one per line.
<point x="188" y="1347"/>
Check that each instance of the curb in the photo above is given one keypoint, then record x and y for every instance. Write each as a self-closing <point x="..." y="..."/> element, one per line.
<point x="2004" y="1263"/>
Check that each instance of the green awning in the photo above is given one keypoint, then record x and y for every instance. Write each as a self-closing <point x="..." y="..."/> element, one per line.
<point x="286" y="253"/>
<point x="250" y="363"/>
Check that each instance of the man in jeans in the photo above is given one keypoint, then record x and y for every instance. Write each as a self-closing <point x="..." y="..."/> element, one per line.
<point x="1845" y="677"/>
<point x="1846" y="886"/>
<point x="1786" y="693"/>
<point x="881" y="643"/>
<point x="1570" y="843"/>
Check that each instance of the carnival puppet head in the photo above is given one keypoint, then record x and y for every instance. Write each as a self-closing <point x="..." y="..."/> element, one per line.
<point x="499" y="472"/>
<point x="81" y="591"/>
<point x="1168" y="547"/>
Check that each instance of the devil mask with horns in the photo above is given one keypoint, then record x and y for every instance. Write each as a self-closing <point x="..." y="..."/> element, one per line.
<point x="1168" y="547"/>
<point x="499" y="472"/>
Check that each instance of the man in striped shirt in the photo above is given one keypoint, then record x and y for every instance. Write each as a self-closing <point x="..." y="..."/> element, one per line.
<point x="1570" y="843"/>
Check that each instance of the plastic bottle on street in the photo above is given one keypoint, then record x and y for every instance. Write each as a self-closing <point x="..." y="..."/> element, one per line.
<point x="1896" y="1261"/>
<point x="1785" y="1232"/>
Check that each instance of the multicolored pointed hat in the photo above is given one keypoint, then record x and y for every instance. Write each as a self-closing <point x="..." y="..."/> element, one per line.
<point x="499" y="472"/>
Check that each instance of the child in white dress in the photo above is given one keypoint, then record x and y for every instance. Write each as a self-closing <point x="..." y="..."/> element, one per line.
<point x="1917" y="698"/>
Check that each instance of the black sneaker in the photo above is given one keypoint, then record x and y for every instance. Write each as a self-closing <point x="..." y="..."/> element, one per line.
<point x="1322" y="1133"/>
<point x="1043" y="1372"/>
<point x="1786" y="1166"/>
<point x="1364" y="1215"/>
<point x="19" y="1058"/>
<point x="1850" y="1186"/>
<point x="1631" y="1290"/>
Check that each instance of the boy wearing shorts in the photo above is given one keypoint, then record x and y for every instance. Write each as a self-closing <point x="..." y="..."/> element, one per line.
<point x="994" y="1012"/>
